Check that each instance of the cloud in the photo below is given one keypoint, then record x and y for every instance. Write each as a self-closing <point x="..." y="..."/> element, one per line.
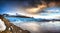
<point x="31" y="11"/>
<point x="40" y="27"/>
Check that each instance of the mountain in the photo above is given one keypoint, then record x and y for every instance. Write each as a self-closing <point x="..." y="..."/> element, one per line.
<point x="26" y="18"/>
<point x="11" y="28"/>
<point x="22" y="16"/>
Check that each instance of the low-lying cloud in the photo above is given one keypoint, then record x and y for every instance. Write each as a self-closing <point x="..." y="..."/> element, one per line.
<point x="40" y="27"/>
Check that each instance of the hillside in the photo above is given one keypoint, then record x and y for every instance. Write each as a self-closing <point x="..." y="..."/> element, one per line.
<point x="11" y="28"/>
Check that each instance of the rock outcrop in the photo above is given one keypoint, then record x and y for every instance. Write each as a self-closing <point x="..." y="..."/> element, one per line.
<point x="11" y="28"/>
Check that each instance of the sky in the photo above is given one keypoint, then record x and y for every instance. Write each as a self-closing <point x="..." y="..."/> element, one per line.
<point x="33" y="8"/>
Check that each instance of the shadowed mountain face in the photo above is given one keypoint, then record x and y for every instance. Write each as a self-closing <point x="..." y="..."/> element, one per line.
<point x="11" y="28"/>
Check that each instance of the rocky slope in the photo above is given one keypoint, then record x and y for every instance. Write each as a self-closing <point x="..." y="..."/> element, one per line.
<point x="11" y="28"/>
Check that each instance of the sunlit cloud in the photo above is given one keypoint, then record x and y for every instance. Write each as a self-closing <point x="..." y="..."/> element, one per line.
<point x="37" y="9"/>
